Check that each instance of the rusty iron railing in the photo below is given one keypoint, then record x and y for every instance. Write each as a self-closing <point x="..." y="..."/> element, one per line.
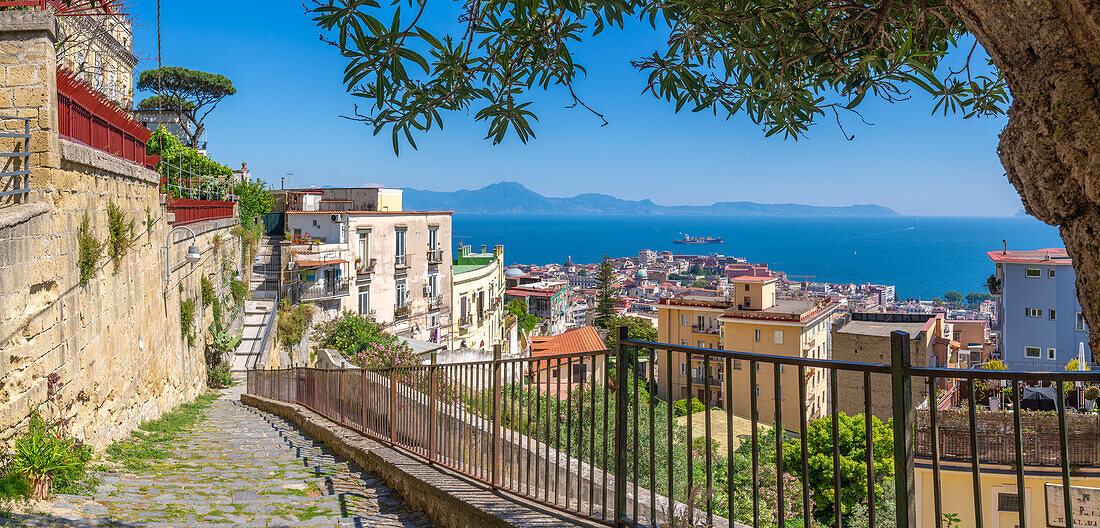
<point x="594" y="434"/>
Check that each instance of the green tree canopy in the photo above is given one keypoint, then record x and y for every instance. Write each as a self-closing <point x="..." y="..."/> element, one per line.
<point x="255" y="200"/>
<point x="605" y="301"/>
<point x="976" y="298"/>
<point x="363" y="342"/>
<point x="518" y="308"/>
<point x="853" y="461"/>
<point x="192" y="94"/>
<point x="637" y="328"/>
<point x="953" y="297"/>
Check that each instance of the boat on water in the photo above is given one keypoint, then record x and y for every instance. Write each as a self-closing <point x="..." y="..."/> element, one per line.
<point x="697" y="240"/>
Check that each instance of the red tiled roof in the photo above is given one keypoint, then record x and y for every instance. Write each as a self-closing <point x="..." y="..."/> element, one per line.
<point x="1039" y="256"/>
<point x="752" y="278"/>
<point x="316" y="263"/>
<point x="577" y="340"/>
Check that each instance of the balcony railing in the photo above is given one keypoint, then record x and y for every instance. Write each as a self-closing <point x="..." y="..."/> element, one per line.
<point x="564" y="444"/>
<point x="402" y="311"/>
<point x="703" y="329"/>
<point x="435" y="256"/>
<point x="15" y="178"/>
<point x="401" y="261"/>
<point x="435" y="303"/>
<point x="330" y="289"/>
<point x="366" y="268"/>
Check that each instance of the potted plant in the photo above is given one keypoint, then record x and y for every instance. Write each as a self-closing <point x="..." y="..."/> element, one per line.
<point x="1091" y="393"/>
<point x="994" y="285"/>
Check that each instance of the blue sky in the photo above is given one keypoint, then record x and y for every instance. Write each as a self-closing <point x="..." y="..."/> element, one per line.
<point x="286" y="118"/>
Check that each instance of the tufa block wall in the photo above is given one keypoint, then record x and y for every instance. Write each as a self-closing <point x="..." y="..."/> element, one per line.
<point x="115" y="342"/>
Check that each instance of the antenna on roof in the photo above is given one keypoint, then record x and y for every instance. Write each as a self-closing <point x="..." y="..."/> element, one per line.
<point x="1004" y="243"/>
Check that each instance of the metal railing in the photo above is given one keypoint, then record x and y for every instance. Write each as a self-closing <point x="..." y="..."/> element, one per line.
<point x="15" y="178"/>
<point x="435" y="256"/>
<point x="702" y="329"/>
<point x="325" y="290"/>
<point x="86" y="116"/>
<point x="365" y="268"/>
<point x="610" y="447"/>
<point x="401" y="261"/>
<point x="402" y="311"/>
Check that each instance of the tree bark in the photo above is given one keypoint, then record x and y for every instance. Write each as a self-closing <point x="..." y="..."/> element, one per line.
<point x="1049" y="52"/>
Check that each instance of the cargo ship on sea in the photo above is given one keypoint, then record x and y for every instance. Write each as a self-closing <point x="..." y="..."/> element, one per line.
<point x="697" y="240"/>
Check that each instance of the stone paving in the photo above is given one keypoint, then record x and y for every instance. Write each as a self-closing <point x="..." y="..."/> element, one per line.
<point x="238" y="467"/>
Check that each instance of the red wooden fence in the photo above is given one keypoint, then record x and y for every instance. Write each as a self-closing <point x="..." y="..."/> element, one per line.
<point x="86" y="116"/>
<point x="191" y="211"/>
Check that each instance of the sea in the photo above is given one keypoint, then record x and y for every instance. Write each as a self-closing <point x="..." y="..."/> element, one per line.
<point x="922" y="256"/>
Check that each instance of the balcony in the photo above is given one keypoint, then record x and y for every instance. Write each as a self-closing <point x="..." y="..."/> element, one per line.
<point x="703" y="329"/>
<point x="435" y="303"/>
<point x="715" y="382"/>
<point x="435" y="256"/>
<point x="365" y="268"/>
<point x="401" y="261"/>
<point x="401" y="311"/>
<point x="325" y="290"/>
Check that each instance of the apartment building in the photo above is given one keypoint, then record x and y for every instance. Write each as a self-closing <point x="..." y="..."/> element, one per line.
<point x="356" y="249"/>
<point x="1039" y="320"/>
<point x="98" y="46"/>
<point x="477" y="298"/>
<point x="546" y="299"/>
<point x="866" y="338"/>
<point x="748" y="319"/>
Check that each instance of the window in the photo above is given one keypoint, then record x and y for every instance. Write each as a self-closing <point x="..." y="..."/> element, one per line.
<point x="700" y="344"/>
<point x="683" y="342"/>
<point x="1052" y="353"/>
<point x="779" y="337"/>
<point x="1033" y="273"/>
<point x="1008" y="502"/>
<point x="756" y="335"/>
<point x="1033" y="312"/>
<point x="737" y="364"/>
<point x="1033" y="352"/>
<point x="554" y="373"/>
<point x="400" y="295"/>
<point x="364" y="302"/>
<point x="433" y="285"/>
<point x="399" y="246"/>
<point x="433" y="238"/>
<point x="683" y="369"/>
<point x="685" y="320"/>
<point x="746" y="287"/>
<point x="1052" y="313"/>
<point x="364" y="248"/>
<point x="1080" y="322"/>
<point x="1050" y="273"/>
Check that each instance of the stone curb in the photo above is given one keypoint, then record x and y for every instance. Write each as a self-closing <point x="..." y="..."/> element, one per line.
<point x="449" y="499"/>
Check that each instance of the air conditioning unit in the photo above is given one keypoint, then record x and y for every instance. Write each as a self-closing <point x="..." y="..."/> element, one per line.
<point x="335" y="218"/>
<point x="427" y="291"/>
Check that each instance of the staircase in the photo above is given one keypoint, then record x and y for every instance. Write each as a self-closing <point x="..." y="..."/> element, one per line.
<point x="259" y="310"/>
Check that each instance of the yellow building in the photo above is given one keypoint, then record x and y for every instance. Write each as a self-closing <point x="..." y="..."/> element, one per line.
<point x="1043" y="498"/>
<point x="750" y="319"/>
<point x="477" y="297"/>
<point x="98" y="47"/>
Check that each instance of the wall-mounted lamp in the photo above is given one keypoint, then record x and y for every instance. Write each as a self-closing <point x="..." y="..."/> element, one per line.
<point x="193" y="254"/>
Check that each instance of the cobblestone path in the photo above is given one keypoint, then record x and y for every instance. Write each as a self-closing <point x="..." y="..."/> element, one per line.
<point x="238" y="467"/>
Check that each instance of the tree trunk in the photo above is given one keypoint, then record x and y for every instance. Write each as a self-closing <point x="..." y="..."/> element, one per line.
<point x="1049" y="52"/>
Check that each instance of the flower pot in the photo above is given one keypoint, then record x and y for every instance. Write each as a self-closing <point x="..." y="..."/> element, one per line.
<point x="1089" y="405"/>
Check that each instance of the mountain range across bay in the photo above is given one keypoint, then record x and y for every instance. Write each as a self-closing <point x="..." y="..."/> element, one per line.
<point x="514" y="198"/>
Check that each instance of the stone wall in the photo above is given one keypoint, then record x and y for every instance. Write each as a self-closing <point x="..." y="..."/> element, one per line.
<point x="115" y="342"/>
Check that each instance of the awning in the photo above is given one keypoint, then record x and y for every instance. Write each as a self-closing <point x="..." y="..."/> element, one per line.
<point x="317" y="263"/>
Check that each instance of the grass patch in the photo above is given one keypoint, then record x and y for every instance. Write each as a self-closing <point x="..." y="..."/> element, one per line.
<point x="309" y="513"/>
<point x="153" y="439"/>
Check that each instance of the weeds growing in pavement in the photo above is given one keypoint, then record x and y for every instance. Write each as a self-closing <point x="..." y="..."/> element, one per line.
<point x="153" y="439"/>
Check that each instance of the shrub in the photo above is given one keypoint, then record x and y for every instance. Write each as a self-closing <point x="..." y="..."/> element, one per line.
<point x="187" y="320"/>
<point x="238" y="290"/>
<point x="219" y="377"/>
<point x="90" y="250"/>
<point x="207" y="291"/>
<point x="1092" y="392"/>
<point x="46" y="456"/>
<point x="120" y="234"/>
<point x="680" y="407"/>
<point x="364" y="342"/>
<point x="294" y="319"/>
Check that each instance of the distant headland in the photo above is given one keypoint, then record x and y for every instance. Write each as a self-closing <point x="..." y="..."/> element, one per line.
<point x="514" y="198"/>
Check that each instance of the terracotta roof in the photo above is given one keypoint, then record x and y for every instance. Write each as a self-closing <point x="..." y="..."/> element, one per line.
<point x="752" y="278"/>
<point x="1039" y="256"/>
<point x="577" y="340"/>
<point x="316" y="263"/>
